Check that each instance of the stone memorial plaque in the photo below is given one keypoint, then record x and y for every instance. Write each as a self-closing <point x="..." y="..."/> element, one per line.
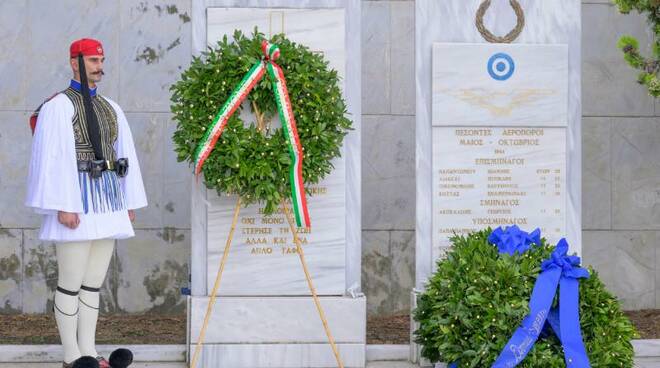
<point x="499" y="151"/>
<point x="500" y="84"/>
<point x="263" y="259"/>
<point x="498" y="176"/>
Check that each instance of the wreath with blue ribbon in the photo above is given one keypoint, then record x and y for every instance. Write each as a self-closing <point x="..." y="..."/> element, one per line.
<point x="506" y="298"/>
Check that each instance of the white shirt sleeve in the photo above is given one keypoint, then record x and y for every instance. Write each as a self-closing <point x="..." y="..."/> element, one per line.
<point x="52" y="183"/>
<point x="131" y="184"/>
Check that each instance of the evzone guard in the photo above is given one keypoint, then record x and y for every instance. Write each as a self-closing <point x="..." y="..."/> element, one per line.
<point x="84" y="179"/>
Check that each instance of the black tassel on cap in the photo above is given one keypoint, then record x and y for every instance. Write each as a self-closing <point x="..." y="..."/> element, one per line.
<point x="90" y="115"/>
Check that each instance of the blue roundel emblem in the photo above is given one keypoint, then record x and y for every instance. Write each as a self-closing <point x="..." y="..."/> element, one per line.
<point x="501" y="66"/>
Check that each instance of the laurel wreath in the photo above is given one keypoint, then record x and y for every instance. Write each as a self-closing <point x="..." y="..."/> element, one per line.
<point x="476" y="299"/>
<point x="251" y="158"/>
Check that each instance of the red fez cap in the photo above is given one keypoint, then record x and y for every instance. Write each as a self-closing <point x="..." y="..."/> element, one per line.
<point x="86" y="46"/>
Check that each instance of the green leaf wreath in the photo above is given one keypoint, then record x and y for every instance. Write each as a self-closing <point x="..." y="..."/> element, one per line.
<point x="477" y="299"/>
<point x="251" y="158"/>
<point x="648" y="67"/>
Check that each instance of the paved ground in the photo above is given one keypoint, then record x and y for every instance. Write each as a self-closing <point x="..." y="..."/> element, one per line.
<point x="55" y="365"/>
<point x="182" y="365"/>
<point x="638" y="364"/>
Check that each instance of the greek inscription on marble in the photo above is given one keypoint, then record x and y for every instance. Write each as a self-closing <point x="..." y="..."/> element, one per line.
<point x="507" y="176"/>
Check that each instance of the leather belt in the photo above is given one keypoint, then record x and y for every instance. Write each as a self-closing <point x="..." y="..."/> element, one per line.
<point x="96" y="167"/>
<point x="105" y="165"/>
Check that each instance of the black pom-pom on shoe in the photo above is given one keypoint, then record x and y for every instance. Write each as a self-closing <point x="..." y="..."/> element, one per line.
<point x="85" y="362"/>
<point x="121" y="358"/>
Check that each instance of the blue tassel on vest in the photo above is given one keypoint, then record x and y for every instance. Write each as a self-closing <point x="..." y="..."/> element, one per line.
<point x="104" y="193"/>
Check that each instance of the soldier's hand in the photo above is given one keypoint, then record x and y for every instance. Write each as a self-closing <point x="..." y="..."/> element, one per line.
<point x="131" y="215"/>
<point x="68" y="219"/>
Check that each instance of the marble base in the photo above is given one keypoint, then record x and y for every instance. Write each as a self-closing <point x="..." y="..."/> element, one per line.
<point x="387" y="353"/>
<point x="280" y="355"/>
<point x="272" y="320"/>
<point x="279" y="331"/>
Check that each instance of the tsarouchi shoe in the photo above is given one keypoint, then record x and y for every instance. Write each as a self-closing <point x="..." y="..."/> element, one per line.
<point x="82" y="362"/>
<point x="121" y="358"/>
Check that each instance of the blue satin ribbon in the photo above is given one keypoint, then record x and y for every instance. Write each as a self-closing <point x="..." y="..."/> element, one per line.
<point x="562" y="271"/>
<point x="512" y="239"/>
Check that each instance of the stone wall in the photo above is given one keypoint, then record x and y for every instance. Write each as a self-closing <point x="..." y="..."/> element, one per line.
<point x="388" y="155"/>
<point x="148" y="44"/>
<point x="621" y="147"/>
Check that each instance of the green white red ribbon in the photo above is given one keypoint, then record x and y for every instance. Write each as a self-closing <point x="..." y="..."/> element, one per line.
<point x="239" y="94"/>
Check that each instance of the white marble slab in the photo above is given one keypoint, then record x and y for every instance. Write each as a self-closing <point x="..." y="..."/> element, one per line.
<point x="271" y="320"/>
<point x="452" y="21"/>
<point x="307" y="27"/>
<point x="275" y="320"/>
<point x="281" y="355"/>
<point x="352" y="142"/>
<point x="647" y="348"/>
<point x="500" y="84"/>
<point x="263" y="260"/>
<point x="498" y="176"/>
<point x="387" y="352"/>
<point x="322" y="30"/>
<point x="485" y="175"/>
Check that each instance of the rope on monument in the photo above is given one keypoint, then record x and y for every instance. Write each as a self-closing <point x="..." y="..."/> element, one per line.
<point x="511" y="36"/>
<point x="216" y="285"/>
<point x="301" y="254"/>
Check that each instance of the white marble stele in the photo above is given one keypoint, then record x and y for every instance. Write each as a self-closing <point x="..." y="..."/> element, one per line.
<point x="498" y="126"/>
<point x="264" y="315"/>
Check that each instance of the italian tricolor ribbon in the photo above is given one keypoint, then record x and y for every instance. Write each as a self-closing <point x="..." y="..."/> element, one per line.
<point x="238" y="95"/>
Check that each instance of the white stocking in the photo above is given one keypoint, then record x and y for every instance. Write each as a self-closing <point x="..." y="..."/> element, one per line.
<point x="71" y="264"/>
<point x="97" y="266"/>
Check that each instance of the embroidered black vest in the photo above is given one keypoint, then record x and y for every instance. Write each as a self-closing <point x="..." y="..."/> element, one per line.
<point x="107" y="118"/>
<point x="102" y="194"/>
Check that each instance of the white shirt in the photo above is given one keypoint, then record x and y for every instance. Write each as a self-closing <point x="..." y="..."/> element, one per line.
<point x="53" y="180"/>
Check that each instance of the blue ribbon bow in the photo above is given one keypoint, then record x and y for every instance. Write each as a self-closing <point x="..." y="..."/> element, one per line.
<point x="559" y="270"/>
<point x="512" y="239"/>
